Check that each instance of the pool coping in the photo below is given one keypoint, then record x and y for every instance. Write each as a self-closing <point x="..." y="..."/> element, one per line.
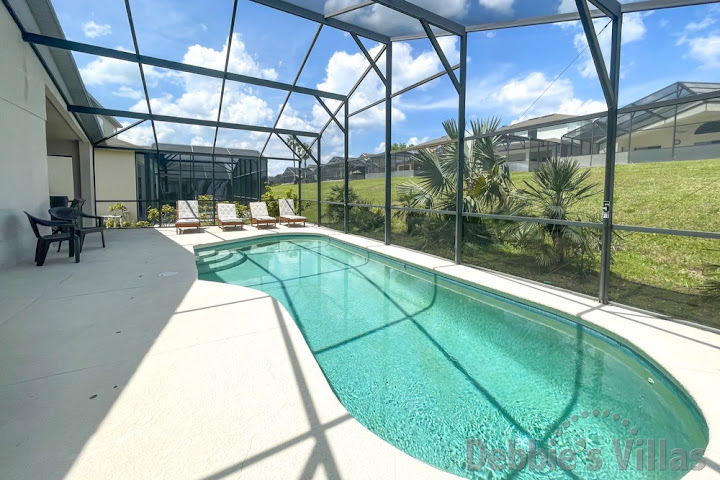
<point x="684" y="353"/>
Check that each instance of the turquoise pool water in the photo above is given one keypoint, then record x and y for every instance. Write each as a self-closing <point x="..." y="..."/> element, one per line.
<point x="445" y="371"/>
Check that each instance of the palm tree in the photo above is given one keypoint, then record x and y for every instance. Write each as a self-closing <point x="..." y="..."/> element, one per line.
<point x="302" y="151"/>
<point x="486" y="177"/>
<point x="556" y="189"/>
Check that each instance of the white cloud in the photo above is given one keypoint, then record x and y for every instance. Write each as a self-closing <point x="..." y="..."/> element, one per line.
<point x="633" y="30"/>
<point x="567" y="6"/>
<point x="409" y="67"/>
<point x="110" y="71"/>
<point x="515" y="96"/>
<point x="504" y="7"/>
<point x="240" y="60"/>
<point x="94" y="30"/>
<point x="702" y="25"/>
<point x="380" y="148"/>
<point x="705" y="50"/>
<point x="417" y="141"/>
<point x="197" y="96"/>
<point x="127" y="92"/>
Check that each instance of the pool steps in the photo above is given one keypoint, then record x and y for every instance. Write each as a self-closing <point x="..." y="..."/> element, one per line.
<point x="216" y="261"/>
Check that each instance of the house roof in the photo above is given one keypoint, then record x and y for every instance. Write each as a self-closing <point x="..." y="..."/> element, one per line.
<point x="39" y="16"/>
<point x="537" y="121"/>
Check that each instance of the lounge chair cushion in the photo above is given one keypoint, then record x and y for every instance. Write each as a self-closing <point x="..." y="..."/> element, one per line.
<point x="258" y="210"/>
<point x="264" y="218"/>
<point x="188" y="209"/>
<point x="227" y="213"/>
<point x="187" y="221"/>
<point x="293" y="217"/>
<point x="287" y="207"/>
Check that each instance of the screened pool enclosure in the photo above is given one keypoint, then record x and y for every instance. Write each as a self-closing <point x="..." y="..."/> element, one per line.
<point x="679" y="123"/>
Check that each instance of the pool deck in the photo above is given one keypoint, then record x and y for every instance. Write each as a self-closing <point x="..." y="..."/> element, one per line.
<point x="128" y="366"/>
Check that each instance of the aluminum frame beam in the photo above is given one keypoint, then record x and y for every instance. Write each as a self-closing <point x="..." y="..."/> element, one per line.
<point x="222" y="96"/>
<point x="320" y="18"/>
<point x="349" y="9"/>
<point x="611" y="8"/>
<point x="441" y="55"/>
<point x="404" y="90"/>
<point x="299" y="143"/>
<point x="171" y="65"/>
<point x="412" y="10"/>
<point x="388" y="143"/>
<point x="122" y="130"/>
<point x="461" y="150"/>
<point x="369" y="58"/>
<point x="185" y="121"/>
<point x="352" y="90"/>
<point x="329" y="112"/>
<point x="596" y="51"/>
<point x="142" y="75"/>
<point x="612" y="124"/>
<point x="297" y="78"/>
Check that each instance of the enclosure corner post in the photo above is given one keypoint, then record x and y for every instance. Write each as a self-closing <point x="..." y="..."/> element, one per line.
<point x="461" y="150"/>
<point x="346" y="209"/>
<point x="607" y="233"/>
<point x="388" y="142"/>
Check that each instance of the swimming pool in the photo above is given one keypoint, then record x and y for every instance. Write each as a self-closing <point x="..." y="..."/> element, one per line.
<point x="466" y="380"/>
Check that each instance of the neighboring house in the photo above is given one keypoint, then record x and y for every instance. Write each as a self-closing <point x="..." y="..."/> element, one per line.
<point x="686" y="132"/>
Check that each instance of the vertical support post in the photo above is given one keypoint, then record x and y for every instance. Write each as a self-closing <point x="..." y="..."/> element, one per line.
<point x="461" y="150"/>
<point x="632" y="114"/>
<point x="259" y="180"/>
<point x="674" y="132"/>
<point x="610" y="161"/>
<point x="319" y="183"/>
<point x="299" y="163"/>
<point x="388" y="141"/>
<point x="346" y="209"/>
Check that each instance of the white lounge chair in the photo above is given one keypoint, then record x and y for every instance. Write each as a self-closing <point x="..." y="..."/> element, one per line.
<point x="287" y="212"/>
<point x="259" y="214"/>
<point x="227" y="216"/>
<point x="188" y="215"/>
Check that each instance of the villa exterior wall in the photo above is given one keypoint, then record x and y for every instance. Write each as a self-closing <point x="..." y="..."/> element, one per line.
<point x="60" y="176"/>
<point x="24" y="86"/>
<point x="115" y="180"/>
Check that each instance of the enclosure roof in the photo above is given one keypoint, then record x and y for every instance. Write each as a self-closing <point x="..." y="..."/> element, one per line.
<point x="399" y="19"/>
<point x="537" y="121"/>
<point x="205" y="150"/>
<point x="636" y="119"/>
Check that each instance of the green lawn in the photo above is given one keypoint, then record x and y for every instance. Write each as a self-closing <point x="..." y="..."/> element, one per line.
<point x="658" y="272"/>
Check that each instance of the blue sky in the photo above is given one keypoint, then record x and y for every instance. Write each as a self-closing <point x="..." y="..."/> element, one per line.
<point x="507" y="71"/>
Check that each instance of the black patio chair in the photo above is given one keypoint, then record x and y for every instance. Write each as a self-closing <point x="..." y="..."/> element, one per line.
<point x="76" y="203"/>
<point x="75" y="216"/>
<point x="44" y="241"/>
<point x="58" y="201"/>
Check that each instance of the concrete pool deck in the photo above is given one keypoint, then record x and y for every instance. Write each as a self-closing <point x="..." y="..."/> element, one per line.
<point x="128" y="366"/>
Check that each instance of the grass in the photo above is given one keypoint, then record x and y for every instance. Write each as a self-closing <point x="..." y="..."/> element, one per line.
<point x="661" y="273"/>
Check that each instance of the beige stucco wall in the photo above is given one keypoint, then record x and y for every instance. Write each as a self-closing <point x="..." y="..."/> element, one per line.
<point x="115" y="180"/>
<point x="60" y="176"/>
<point x="661" y="133"/>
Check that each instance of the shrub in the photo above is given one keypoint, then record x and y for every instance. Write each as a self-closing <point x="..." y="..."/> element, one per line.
<point x="126" y="224"/>
<point x="153" y="215"/>
<point x="367" y="219"/>
<point x="143" y="224"/>
<point x="272" y="201"/>
<point x="241" y="210"/>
